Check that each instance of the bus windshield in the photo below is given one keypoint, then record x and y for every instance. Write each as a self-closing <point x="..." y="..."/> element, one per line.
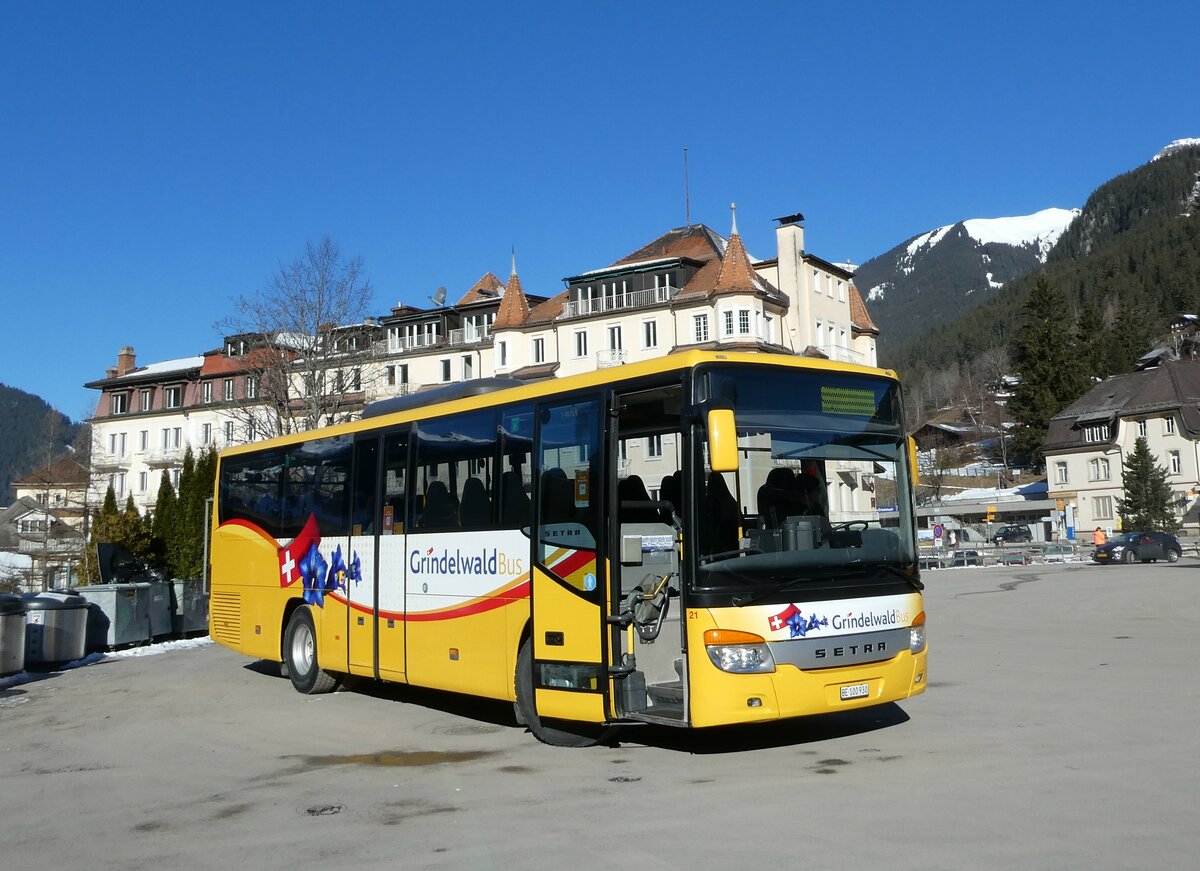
<point x="821" y="497"/>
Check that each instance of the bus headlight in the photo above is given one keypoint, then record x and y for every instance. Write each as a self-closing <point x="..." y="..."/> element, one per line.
<point x="916" y="634"/>
<point x="738" y="652"/>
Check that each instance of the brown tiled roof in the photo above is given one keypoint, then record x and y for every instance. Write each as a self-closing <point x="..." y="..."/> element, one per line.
<point x="487" y="287"/>
<point x="538" y="370"/>
<point x="62" y="472"/>
<point x="547" y="311"/>
<point x="514" y="307"/>
<point x="695" y="241"/>
<point x="1171" y="388"/>
<point x="702" y="283"/>
<point x="860" y="318"/>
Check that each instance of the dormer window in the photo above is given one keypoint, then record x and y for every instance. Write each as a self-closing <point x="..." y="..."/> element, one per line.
<point x="173" y="396"/>
<point x="120" y="403"/>
<point x="1096" y="433"/>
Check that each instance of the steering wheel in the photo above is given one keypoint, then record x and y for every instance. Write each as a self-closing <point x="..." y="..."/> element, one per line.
<point x="847" y="525"/>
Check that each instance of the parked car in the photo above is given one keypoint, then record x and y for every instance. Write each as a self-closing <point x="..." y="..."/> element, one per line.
<point x="964" y="558"/>
<point x="1012" y="534"/>
<point x="1129" y="547"/>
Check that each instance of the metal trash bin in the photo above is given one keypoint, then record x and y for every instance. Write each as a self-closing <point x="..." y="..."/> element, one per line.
<point x="190" y="604"/>
<point x="12" y="634"/>
<point x="118" y="614"/>
<point x="158" y="595"/>
<point x="55" y="627"/>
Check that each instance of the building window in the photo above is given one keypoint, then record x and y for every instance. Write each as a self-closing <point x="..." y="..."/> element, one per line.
<point x="143" y="480"/>
<point x="143" y="441"/>
<point x="1098" y="469"/>
<point x="228" y="388"/>
<point x="1097" y="433"/>
<point x="1060" y="472"/>
<point x="502" y="355"/>
<point x="1141" y="425"/>
<point x="116" y="444"/>
<point x="654" y="448"/>
<point x="402" y="373"/>
<point x="147" y="399"/>
<point x="1102" y="507"/>
<point x="252" y="430"/>
<point x="207" y="391"/>
<point x="1169" y="425"/>
<point x="205" y="433"/>
<point x="119" y="484"/>
<point x="539" y="350"/>
<point x="120" y="403"/>
<point x="744" y="321"/>
<point x="614" y="339"/>
<point x="700" y="323"/>
<point x="229" y="432"/>
<point x="175" y="478"/>
<point x="174" y="397"/>
<point x="445" y="371"/>
<point x="177" y="437"/>
<point x="727" y="324"/>
<point x="816" y="281"/>
<point x="468" y="367"/>
<point x="841" y="290"/>
<point x="1176" y="463"/>
<point x="252" y="387"/>
<point x="819" y="333"/>
<point x="649" y="334"/>
<point x="581" y="343"/>
<point x="391" y="376"/>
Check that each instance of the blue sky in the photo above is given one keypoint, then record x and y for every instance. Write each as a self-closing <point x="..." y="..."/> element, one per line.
<point x="159" y="159"/>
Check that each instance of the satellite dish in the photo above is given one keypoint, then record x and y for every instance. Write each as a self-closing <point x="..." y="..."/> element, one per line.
<point x="439" y="297"/>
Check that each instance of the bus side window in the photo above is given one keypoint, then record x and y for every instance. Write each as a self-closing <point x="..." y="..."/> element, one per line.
<point x="516" y="451"/>
<point x="395" y="462"/>
<point x="453" y="452"/>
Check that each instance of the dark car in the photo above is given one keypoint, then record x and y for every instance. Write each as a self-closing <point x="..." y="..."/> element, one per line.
<point x="1008" y="534"/>
<point x="1129" y="547"/>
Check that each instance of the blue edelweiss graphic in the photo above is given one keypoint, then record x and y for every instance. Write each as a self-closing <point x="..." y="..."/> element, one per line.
<point x="313" y="571"/>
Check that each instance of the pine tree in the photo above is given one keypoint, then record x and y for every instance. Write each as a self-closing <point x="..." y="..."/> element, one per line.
<point x="189" y="519"/>
<point x="164" y="524"/>
<point x="131" y="532"/>
<point x="1050" y="365"/>
<point x="104" y="528"/>
<point x="1148" y="498"/>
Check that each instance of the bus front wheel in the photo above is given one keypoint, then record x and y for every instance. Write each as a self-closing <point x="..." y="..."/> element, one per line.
<point x="562" y="733"/>
<point x="300" y="656"/>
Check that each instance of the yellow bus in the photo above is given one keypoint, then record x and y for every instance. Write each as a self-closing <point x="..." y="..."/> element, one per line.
<point x="691" y="541"/>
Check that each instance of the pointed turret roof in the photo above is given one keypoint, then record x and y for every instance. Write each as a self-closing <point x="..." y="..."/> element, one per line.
<point x="737" y="275"/>
<point x="860" y="318"/>
<point x="514" y="307"/>
<point x="487" y="287"/>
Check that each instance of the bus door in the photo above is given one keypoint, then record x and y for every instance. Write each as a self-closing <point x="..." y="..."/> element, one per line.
<point x="569" y="581"/>
<point x="362" y="579"/>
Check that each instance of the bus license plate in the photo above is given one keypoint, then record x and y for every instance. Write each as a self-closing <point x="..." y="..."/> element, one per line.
<point x="854" y="691"/>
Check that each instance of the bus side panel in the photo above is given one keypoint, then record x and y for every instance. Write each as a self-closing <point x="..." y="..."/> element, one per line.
<point x="247" y="601"/>
<point x="461" y="654"/>
<point x="331" y="622"/>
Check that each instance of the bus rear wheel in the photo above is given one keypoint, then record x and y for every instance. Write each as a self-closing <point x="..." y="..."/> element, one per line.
<point x="300" y="655"/>
<point x="562" y="733"/>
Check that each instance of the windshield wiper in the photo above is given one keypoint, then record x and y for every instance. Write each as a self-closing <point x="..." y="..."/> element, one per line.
<point x="915" y="583"/>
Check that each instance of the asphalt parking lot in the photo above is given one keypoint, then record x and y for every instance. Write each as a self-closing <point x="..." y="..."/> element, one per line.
<point x="1059" y="731"/>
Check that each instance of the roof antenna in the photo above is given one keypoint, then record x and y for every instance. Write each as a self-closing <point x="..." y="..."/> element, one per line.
<point x="733" y="208"/>
<point x="687" y="195"/>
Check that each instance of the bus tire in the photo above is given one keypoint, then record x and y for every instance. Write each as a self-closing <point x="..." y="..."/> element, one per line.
<point x="562" y="733"/>
<point x="300" y="656"/>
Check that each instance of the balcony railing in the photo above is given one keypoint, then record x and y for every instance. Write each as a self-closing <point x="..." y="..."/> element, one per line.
<point x="631" y="299"/>
<point x="471" y="335"/>
<point x="401" y="344"/>
<point x="103" y="461"/>
<point x="164" y="457"/>
<point x="611" y="357"/>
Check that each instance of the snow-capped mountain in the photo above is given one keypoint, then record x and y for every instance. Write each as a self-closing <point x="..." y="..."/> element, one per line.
<point x="934" y="277"/>
<point x="1177" y="145"/>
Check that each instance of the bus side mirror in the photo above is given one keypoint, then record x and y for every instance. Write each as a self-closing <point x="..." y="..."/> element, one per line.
<point x="722" y="440"/>
<point x="912" y="460"/>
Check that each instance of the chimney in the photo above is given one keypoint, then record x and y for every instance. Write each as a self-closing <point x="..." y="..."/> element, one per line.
<point x="126" y="361"/>
<point x="789" y="239"/>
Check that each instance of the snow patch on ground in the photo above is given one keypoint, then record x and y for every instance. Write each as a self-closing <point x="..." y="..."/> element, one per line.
<point x="149" y="650"/>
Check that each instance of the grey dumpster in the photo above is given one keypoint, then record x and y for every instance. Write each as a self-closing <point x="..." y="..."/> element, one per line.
<point x="55" y="627"/>
<point x="158" y="594"/>
<point x="118" y="614"/>
<point x="12" y="634"/>
<point x="191" y="606"/>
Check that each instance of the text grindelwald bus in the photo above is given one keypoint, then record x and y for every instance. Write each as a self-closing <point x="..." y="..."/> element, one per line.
<point x="691" y="541"/>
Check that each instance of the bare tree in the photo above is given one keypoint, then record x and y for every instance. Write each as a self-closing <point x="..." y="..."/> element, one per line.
<point x="303" y="342"/>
